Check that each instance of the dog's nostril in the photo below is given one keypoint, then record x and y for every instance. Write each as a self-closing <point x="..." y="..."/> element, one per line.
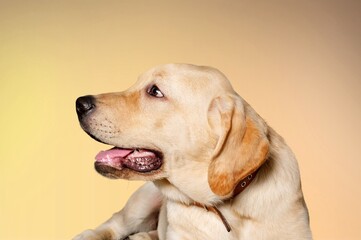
<point x="84" y="105"/>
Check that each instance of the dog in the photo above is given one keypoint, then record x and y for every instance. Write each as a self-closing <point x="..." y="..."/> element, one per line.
<point x="213" y="167"/>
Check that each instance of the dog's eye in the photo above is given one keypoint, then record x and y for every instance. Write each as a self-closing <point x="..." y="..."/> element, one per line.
<point x="155" y="92"/>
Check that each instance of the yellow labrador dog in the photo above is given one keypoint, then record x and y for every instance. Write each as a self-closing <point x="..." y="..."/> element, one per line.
<point x="215" y="169"/>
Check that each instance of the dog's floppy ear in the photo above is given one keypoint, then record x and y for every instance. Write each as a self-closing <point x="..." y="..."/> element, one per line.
<point x="242" y="144"/>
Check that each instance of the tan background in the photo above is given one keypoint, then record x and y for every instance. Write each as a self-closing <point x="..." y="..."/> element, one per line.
<point x="297" y="62"/>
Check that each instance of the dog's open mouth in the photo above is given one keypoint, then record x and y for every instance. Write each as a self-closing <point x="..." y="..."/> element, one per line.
<point x="139" y="160"/>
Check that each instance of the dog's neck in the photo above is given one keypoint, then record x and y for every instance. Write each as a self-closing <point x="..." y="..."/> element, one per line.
<point x="242" y="185"/>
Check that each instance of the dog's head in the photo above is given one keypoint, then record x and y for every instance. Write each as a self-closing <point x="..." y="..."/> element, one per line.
<point x="179" y="122"/>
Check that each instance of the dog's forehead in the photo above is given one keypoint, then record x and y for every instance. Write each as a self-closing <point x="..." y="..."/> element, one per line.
<point x="187" y="75"/>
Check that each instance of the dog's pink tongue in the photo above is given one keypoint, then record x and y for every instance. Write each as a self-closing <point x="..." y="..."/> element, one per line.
<point x="113" y="155"/>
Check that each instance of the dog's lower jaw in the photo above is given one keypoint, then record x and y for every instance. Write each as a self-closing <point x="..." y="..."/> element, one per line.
<point x="128" y="174"/>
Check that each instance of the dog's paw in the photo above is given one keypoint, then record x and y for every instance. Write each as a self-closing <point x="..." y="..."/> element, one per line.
<point x="94" y="235"/>
<point x="144" y="236"/>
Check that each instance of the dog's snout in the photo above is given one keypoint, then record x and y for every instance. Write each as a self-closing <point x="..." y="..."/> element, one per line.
<point x="84" y="105"/>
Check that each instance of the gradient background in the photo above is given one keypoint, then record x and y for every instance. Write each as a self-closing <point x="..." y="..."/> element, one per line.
<point x="298" y="63"/>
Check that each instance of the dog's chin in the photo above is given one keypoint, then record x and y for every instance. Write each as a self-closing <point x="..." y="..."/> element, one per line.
<point x="126" y="173"/>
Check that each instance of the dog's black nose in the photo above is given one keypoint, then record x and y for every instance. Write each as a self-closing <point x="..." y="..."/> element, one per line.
<point x="84" y="105"/>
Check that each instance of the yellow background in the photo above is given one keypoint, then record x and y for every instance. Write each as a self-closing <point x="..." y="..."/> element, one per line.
<point x="297" y="62"/>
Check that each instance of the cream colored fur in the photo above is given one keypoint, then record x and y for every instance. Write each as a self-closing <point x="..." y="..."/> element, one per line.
<point x="210" y="139"/>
